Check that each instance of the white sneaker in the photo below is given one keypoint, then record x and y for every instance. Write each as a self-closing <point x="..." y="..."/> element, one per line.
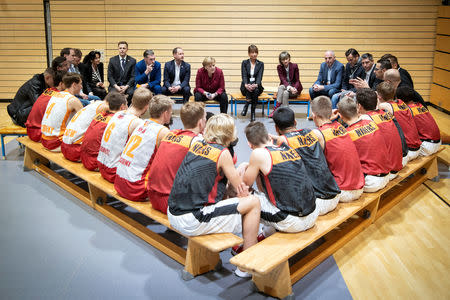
<point x="242" y="274"/>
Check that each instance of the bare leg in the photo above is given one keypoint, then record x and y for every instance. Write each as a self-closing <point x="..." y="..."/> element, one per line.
<point x="250" y="209"/>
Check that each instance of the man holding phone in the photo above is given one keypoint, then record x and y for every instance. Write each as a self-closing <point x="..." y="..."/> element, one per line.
<point x="148" y="72"/>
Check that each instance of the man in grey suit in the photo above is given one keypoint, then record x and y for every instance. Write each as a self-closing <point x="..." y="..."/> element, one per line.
<point x="329" y="80"/>
<point x="177" y="74"/>
<point x="121" y="72"/>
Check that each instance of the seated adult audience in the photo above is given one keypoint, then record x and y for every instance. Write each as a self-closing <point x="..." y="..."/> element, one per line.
<point x="59" y="111"/>
<point x="196" y="203"/>
<point x="94" y="74"/>
<point x="171" y="152"/>
<point x="329" y="80"/>
<point x="290" y="85"/>
<point x="69" y="54"/>
<point x="369" y="142"/>
<point x="36" y="115"/>
<point x="404" y="75"/>
<point x="132" y="176"/>
<point x="26" y="95"/>
<point x="60" y="63"/>
<point x="177" y="74"/>
<point x="251" y="86"/>
<point x="148" y="73"/>
<point x="368" y="75"/>
<point x="85" y="95"/>
<point x="339" y="149"/>
<point x="353" y="69"/>
<point x="380" y="68"/>
<point x="121" y="71"/>
<point x="210" y="84"/>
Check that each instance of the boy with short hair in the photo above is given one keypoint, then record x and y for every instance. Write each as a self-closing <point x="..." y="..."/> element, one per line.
<point x="119" y="129"/>
<point x="171" y="152"/>
<point x="196" y="204"/>
<point x="367" y="108"/>
<point x="306" y="143"/>
<point x="37" y="112"/>
<point x="73" y="135"/>
<point x="93" y="136"/>
<point x="339" y="149"/>
<point x="59" y="111"/>
<point x="132" y="174"/>
<point x="427" y="128"/>
<point x="287" y="197"/>
<point x="401" y="112"/>
<point x="370" y="145"/>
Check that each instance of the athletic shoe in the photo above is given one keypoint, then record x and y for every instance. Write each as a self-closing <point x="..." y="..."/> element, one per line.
<point x="239" y="248"/>
<point x="242" y="274"/>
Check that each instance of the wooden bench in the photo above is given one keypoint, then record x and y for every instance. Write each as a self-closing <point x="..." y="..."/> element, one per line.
<point x="301" y="99"/>
<point x="208" y="103"/>
<point x="268" y="261"/>
<point x="10" y="129"/>
<point x="238" y="97"/>
<point x="202" y="254"/>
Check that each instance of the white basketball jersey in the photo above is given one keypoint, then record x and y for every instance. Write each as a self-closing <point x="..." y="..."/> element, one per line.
<point x="79" y="123"/>
<point x="115" y="138"/>
<point x="140" y="148"/>
<point x="57" y="115"/>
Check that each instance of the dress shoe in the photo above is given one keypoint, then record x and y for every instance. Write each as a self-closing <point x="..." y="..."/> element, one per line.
<point x="244" y="110"/>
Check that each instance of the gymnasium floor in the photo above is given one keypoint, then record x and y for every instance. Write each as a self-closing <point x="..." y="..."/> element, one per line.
<point x="52" y="246"/>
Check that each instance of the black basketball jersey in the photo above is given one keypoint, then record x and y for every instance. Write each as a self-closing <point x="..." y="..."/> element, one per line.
<point x="307" y="145"/>
<point x="197" y="182"/>
<point x="286" y="185"/>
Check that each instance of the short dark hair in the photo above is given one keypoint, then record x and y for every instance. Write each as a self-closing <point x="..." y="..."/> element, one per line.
<point x="122" y="42"/>
<point x="386" y="90"/>
<point x="405" y="93"/>
<point x="91" y="56"/>
<point x="252" y="49"/>
<point x="256" y="133"/>
<point x="351" y="51"/>
<point x="384" y="64"/>
<point x="115" y="100"/>
<point x="283" y="55"/>
<point x="78" y="52"/>
<point x="57" y="78"/>
<point x="367" y="56"/>
<point x="367" y="98"/>
<point x="391" y="58"/>
<point x="65" y="51"/>
<point x="148" y="52"/>
<point x="175" y="50"/>
<point x="71" y="78"/>
<point x="58" y="62"/>
<point x="284" y="117"/>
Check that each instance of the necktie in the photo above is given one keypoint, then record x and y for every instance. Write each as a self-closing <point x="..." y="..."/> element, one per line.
<point x="123" y="64"/>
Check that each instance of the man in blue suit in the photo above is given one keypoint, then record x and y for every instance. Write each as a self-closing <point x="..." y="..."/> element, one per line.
<point x="329" y="80"/>
<point x="177" y="74"/>
<point x="148" y="72"/>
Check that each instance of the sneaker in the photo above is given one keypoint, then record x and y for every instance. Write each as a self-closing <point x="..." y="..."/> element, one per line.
<point x="242" y="274"/>
<point x="237" y="249"/>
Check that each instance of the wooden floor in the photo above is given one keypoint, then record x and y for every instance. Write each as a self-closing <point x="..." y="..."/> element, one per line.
<point x="404" y="255"/>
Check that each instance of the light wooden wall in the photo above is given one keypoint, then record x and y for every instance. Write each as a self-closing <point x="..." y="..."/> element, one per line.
<point x="224" y="29"/>
<point x="440" y="89"/>
<point x="22" y="43"/>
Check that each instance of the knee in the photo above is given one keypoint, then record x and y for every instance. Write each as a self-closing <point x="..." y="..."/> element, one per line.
<point x="332" y="92"/>
<point x="164" y="91"/>
<point x="186" y="90"/>
<point x="157" y="89"/>
<point x="198" y="96"/>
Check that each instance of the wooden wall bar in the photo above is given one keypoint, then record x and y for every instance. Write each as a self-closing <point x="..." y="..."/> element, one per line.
<point x="440" y="88"/>
<point x="22" y="44"/>
<point x="224" y="29"/>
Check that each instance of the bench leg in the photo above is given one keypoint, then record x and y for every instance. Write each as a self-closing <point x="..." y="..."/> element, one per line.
<point x="277" y="283"/>
<point x="98" y="197"/>
<point x="432" y="171"/>
<point x="3" y="147"/>
<point x="31" y="159"/>
<point x="199" y="260"/>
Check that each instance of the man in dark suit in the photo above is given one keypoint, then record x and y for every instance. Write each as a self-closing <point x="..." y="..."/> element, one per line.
<point x="329" y="80"/>
<point x="148" y="72"/>
<point x="121" y="72"/>
<point x="177" y="74"/>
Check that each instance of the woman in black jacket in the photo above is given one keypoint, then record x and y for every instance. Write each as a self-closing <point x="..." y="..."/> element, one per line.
<point x="93" y="74"/>
<point x="251" y="87"/>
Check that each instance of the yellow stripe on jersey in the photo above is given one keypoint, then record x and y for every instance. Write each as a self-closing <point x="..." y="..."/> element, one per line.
<point x="182" y="140"/>
<point x="382" y="118"/>
<point x="398" y="106"/>
<point x="363" y="130"/>
<point x="418" y="109"/>
<point x="279" y="157"/>
<point x="299" y="141"/>
<point x="332" y="133"/>
<point x="205" y="151"/>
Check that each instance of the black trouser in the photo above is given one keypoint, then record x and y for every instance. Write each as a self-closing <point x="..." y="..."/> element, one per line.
<point x="186" y="92"/>
<point x="252" y="96"/>
<point x="222" y="98"/>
